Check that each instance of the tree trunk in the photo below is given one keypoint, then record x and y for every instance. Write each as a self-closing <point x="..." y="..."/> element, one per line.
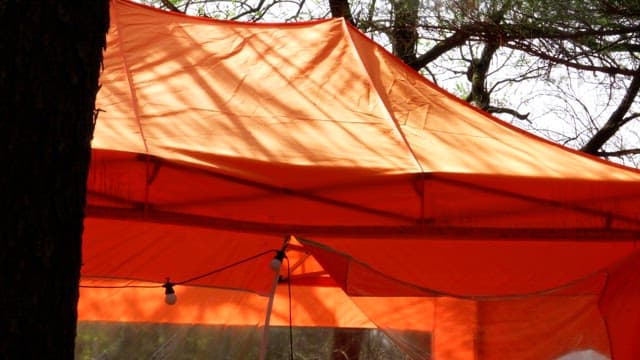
<point x="49" y="67"/>
<point x="477" y="75"/>
<point x="341" y="8"/>
<point x="404" y="34"/>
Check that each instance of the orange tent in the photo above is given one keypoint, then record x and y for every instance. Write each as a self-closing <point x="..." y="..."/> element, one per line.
<point x="398" y="206"/>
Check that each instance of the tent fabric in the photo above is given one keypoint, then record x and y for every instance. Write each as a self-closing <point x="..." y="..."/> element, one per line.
<point x="216" y="140"/>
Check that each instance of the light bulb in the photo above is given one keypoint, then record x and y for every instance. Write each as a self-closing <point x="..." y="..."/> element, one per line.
<point x="169" y="294"/>
<point x="170" y="298"/>
<point x="275" y="264"/>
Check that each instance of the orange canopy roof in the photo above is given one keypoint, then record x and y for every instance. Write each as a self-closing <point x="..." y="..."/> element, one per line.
<point x="215" y="139"/>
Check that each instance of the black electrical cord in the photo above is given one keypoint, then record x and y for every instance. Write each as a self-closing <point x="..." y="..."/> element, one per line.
<point x="224" y="267"/>
<point x="280" y="254"/>
<point x="168" y="284"/>
<point x="183" y="281"/>
<point x="120" y="286"/>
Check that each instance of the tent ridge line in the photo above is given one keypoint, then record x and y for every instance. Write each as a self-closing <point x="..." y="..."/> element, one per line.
<point x="417" y="231"/>
<point x="390" y="117"/>
<point x="125" y="64"/>
<point x="347" y="28"/>
<point x="135" y="105"/>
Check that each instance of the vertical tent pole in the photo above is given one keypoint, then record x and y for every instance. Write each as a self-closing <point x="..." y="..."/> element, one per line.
<point x="267" y="320"/>
<point x="280" y="255"/>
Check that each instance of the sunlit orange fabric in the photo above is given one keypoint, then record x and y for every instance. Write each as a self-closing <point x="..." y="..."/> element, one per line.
<point x="216" y="140"/>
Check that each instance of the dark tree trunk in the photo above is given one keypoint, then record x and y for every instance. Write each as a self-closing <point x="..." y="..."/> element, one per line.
<point x="51" y="52"/>
<point x="477" y="75"/>
<point x="341" y="8"/>
<point x="404" y="34"/>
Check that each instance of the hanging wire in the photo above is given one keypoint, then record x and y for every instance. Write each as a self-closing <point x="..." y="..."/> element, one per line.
<point x="120" y="286"/>
<point x="224" y="267"/>
<point x="198" y="277"/>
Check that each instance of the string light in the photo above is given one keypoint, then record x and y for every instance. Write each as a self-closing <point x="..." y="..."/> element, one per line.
<point x="171" y="298"/>
<point x="169" y="294"/>
<point x="276" y="262"/>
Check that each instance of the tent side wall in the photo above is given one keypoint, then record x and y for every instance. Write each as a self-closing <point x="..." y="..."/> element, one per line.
<point x="219" y="138"/>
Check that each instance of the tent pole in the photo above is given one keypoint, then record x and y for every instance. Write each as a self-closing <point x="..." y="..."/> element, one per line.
<point x="275" y="265"/>
<point x="267" y="320"/>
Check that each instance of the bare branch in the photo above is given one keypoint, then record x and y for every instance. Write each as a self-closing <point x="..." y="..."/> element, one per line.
<point x="170" y="6"/>
<point x="250" y="10"/>
<point x="297" y="14"/>
<point x="521" y="78"/>
<point x="634" y="115"/>
<point x="616" y="120"/>
<point x="458" y="38"/>
<point x="502" y="110"/>
<point x="618" y="153"/>
<point x="562" y="61"/>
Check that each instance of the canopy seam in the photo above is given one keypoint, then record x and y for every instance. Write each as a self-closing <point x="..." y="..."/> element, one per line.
<point x="390" y="117"/>
<point x="134" y="98"/>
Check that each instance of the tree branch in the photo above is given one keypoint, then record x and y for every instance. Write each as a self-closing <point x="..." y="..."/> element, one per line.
<point x="502" y="110"/>
<point x="618" y="153"/>
<point x="517" y="31"/>
<point x="170" y="6"/>
<point x="557" y="60"/>
<point x="616" y="120"/>
<point x="458" y="38"/>
<point x="634" y="115"/>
